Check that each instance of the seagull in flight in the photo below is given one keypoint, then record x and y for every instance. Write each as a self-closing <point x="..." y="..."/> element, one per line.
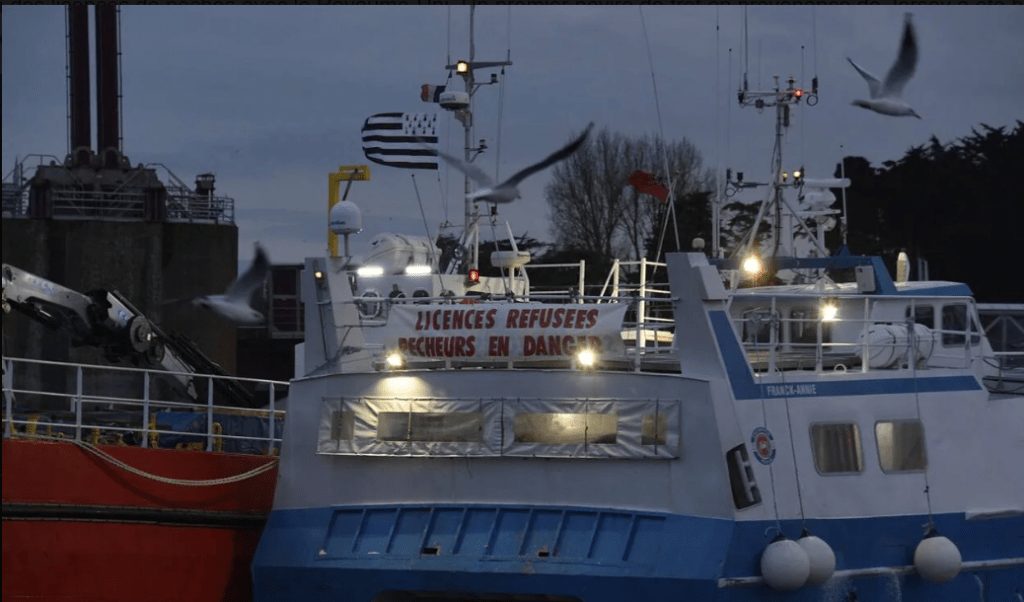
<point x="887" y="97"/>
<point x="235" y="304"/>
<point x="508" y="190"/>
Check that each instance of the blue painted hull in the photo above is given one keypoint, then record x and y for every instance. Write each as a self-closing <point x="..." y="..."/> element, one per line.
<point x="354" y="553"/>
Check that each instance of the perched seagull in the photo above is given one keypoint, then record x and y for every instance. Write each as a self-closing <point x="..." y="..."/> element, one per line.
<point x="887" y="97"/>
<point x="235" y="303"/>
<point x="508" y="190"/>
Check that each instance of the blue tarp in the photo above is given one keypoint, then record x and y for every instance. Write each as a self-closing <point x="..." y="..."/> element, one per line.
<point x="231" y="425"/>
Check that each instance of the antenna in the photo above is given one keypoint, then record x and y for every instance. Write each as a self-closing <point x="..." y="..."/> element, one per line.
<point x="842" y="174"/>
<point x="783" y="99"/>
<point x="464" y="114"/>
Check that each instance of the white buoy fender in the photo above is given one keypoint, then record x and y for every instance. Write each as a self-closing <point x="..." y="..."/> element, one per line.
<point x="822" y="558"/>
<point x="785" y="565"/>
<point x="937" y="558"/>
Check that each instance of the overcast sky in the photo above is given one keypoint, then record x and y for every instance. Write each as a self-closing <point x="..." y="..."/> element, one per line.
<point x="271" y="99"/>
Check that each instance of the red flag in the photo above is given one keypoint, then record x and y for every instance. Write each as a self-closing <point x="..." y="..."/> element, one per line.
<point x="646" y="183"/>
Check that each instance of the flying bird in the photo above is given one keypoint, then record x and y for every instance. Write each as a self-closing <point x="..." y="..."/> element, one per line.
<point x="887" y="96"/>
<point x="508" y="190"/>
<point x="236" y="303"/>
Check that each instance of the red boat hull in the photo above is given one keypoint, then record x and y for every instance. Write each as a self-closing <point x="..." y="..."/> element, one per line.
<point x="79" y="528"/>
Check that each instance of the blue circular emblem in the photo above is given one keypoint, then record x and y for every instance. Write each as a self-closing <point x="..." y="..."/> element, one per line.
<point x="763" y="444"/>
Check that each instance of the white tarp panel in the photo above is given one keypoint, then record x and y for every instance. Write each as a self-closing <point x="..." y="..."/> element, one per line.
<point x="522" y="331"/>
<point x="543" y="428"/>
<point x="388" y="427"/>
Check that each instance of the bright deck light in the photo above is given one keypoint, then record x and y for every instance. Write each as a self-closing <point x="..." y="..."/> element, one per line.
<point x="417" y="270"/>
<point x="462" y="67"/>
<point x="370" y="271"/>
<point x="829" y="311"/>
<point x="586" y="358"/>
<point x="752" y="265"/>
<point x="395" y="360"/>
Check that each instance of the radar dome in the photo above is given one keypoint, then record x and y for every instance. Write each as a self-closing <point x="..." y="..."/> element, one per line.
<point x="345" y="218"/>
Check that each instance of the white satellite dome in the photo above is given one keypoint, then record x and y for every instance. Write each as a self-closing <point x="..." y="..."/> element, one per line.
<point x="346" y="218"/>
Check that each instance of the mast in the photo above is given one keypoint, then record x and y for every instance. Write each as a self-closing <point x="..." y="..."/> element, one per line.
<point x="465" y="116"/>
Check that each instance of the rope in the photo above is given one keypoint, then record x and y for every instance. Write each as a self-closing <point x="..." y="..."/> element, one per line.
<point x="771" y="467"/>
<point x="501" y="96"/>
<point x="716" y="214"/>
<point x="96" y="451"/>
<point x="664" y="148"/>
<point x="792" y="448"/>
<point x="814" y="37"/>
<point x="912" y="352"/>
<point x="426" y="228"/>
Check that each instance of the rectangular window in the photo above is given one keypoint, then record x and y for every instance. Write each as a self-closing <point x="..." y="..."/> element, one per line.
<point x="451" y="427"/>
<point x="923" y="315"/>
<point x="955" y="322"/>
<point x="900" y="445"/>
<point x="836" y="448"/>
<point x="741" y="478"/>
<point x="565" y="429"/>
<point x="655" y="430"/>
<point x="342" y="425"/>
<point x="803" y="328"/>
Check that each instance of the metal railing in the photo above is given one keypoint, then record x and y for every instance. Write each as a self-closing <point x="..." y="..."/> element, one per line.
<point x="845" y="341"/>
<point x="647" y="330"/>
<point x="109" y="416"/>
<point x="76" y="201"/>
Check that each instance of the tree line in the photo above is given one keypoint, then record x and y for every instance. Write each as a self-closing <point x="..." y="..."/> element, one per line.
<point x="956" y="205"/>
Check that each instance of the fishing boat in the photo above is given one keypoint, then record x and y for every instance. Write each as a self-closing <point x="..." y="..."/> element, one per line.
<point x="118" y="480"/>
<point x="686" y="434"/>
<point x="135" y="467"/>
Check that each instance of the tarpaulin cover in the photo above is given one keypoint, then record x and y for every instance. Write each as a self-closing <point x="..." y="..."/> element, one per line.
<point x="544" y="428"/>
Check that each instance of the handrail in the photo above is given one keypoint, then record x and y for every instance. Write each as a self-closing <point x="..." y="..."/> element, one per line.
<point x="767" y="355"/>
<point x="144" y="405"/>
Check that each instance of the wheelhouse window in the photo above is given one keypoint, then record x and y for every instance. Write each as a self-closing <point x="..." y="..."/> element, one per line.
<point x="901" y="445"/>
<point x="803" y="327"/>
<point x="955" y="322"/>
<point x="923" y="315"/>
<point x="836" y="448"/>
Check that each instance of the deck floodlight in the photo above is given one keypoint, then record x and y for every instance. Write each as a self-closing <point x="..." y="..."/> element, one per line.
<point x="417" y="270"/>
<point x="395" y="360"/>
<point x="586" y="358"/>
<point x="829" y="310"/>
<point x="752" y="265"/>
<point x="370" y="271"/>
<point x="462" y="67"/>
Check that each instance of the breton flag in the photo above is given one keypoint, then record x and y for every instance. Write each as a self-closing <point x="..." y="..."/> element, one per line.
<point x="646" y="183"/>
<point x="398" y="139"/>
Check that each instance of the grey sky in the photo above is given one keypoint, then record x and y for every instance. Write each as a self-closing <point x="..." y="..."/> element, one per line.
<point x="271" y="99"/>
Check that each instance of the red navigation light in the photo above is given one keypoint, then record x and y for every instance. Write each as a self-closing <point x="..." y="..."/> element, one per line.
<point x="798" y="92"/>
<point x="474" y="275"/>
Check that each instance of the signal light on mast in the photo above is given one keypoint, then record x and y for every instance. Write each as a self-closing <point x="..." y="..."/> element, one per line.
<point x="798" y="92"/>
<point x="473" y="276"/>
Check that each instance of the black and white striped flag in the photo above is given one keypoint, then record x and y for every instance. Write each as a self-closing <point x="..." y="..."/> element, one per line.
<point x="397" y="140"/>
